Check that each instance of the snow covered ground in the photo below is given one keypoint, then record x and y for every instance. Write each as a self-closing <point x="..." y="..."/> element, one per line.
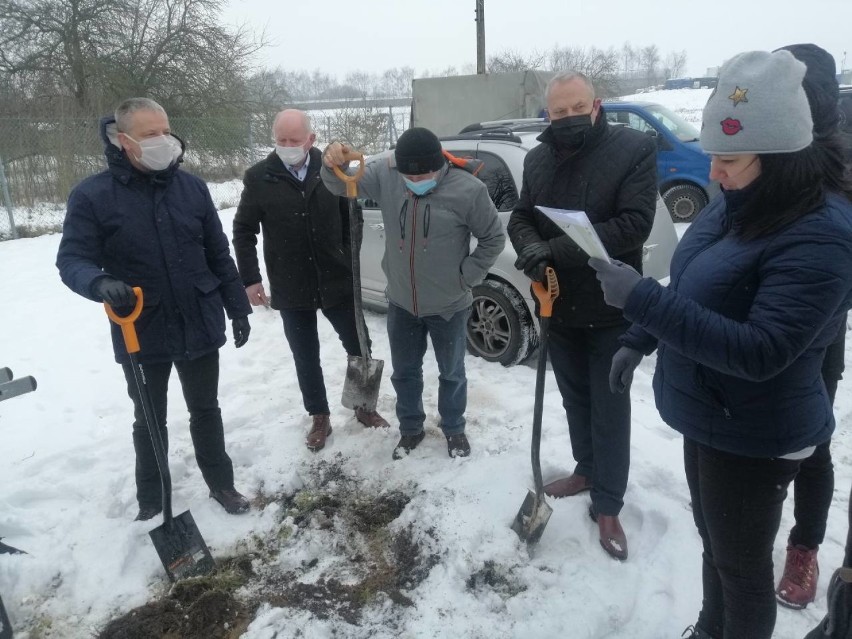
<point x="67" y="494"/>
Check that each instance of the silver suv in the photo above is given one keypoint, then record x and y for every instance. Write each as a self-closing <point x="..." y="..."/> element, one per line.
<point x="502" y="325"/>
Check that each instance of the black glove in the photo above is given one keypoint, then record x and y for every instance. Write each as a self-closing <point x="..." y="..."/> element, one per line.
<point x="241" y="330"/>
<point x="533" y="259"/>
<point x="617" y="280"/>
<point x="624" y="362"/>
<point x="114" y="292"/>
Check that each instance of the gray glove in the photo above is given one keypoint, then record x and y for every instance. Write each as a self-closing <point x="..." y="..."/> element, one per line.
<point x="617" y="280"/>
<point x="624" y="362"/>
<point x="241" y="330"/>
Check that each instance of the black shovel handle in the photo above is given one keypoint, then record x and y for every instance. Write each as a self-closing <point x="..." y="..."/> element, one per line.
<point x="356" y="229"/>
<point x="546" y="294"/>
<point x="131" y="343"/>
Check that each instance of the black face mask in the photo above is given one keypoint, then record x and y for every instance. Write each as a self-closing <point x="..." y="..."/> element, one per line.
<point x="571" y="131"/>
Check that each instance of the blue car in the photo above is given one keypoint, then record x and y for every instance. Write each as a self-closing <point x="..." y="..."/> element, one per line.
<point x="683" y="169"/>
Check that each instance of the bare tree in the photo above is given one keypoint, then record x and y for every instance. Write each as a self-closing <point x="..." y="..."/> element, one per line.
<point x="267" y="93"/>
<point x="600" y="66"/>
<point x="396" y="82"/>
<point x="650" y="60"/>
<point x="675" y="63"/>
<point x="362" y="128"/>
<point x="100" y="51"/>
<point x="509" y="60"/>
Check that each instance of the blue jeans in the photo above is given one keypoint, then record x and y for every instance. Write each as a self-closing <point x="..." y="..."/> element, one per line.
<point x="300" y="328"/>
<point x="407" y="335"/>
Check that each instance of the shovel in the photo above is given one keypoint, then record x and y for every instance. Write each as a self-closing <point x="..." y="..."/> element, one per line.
<point x="177" y="541"/>
<point x="363" y="374"/>
<point x="535" y="513"/>
<point x="5" y="624"/>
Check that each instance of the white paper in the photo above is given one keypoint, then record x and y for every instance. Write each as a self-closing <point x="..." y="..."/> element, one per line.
<point x="578" y="227"/>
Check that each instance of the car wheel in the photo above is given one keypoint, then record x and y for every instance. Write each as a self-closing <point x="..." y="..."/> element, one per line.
<point x="500" y="328"/>
<point x="684" y="201"/>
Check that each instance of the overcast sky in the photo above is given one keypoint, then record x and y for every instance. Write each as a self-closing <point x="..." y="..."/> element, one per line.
<point x="338" y="36"/>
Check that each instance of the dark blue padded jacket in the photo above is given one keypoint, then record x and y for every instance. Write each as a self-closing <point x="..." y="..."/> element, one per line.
<point x="742" y="328"/>
<point x="161" y="232"/>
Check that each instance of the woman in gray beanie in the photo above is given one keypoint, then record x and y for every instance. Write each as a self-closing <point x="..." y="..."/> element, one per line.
<point x="759" y="287"/>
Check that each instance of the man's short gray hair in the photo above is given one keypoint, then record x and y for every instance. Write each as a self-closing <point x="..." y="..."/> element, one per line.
<point x="566" y="76"/>
<point x="306" y="120"/>
<point x="130" y="106"/>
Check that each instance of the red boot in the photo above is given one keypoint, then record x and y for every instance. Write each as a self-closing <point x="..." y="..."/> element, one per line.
<point x="797" y="587"/>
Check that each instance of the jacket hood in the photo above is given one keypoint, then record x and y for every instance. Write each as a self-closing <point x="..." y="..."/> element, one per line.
<point x="117" y="159"/>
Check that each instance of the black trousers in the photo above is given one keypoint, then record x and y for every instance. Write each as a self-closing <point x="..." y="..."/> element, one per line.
<point x="598" y="419"/>
<point x="813" y="487"/>
<point x="300" y="328"/>
<point x="199" y="380"/>
<point x="736" y="504"/>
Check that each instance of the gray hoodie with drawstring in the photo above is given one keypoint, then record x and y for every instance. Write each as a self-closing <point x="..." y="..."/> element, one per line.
<point x="428" y="261"/>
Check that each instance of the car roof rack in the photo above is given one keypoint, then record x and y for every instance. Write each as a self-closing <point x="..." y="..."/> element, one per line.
<point x="502" y="133"/>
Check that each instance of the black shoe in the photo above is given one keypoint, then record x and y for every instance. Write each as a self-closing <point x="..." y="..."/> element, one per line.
<point x="695" y="633"/>
<point x="407" y="443"/>
<point x="458" y="446"/>
<point x="232" y="501"/>
<point x="147" y="512"/>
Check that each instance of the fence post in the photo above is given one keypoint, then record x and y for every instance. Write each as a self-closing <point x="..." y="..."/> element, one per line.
<point x="7" y="200"/>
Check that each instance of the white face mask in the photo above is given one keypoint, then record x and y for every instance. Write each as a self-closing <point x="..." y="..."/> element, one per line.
<point x="290" y="155"/>
<point x="158" y="153"/>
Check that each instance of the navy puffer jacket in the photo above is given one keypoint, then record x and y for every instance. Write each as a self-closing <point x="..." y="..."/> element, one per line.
<point x="742" y="329"/>
<point x="161" y="232"/>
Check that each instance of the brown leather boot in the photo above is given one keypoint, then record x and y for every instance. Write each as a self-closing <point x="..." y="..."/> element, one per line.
<point x="612" y="537"/>
<point x="568" y="486"/>
<point x="320" y="430"/>
<point x="371" y="418"/>
<point x="798" y="586"/>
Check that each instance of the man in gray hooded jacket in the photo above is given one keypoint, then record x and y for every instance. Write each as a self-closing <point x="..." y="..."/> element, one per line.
<point x="430" y="212"/>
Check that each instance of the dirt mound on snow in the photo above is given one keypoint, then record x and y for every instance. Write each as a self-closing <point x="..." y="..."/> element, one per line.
<point x="365" y="561"/>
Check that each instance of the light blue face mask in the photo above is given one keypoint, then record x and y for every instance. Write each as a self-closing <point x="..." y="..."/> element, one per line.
<point x="420" y="188"/>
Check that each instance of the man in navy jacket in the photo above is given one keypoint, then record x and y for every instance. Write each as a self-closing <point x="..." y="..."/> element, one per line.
<point x="144" y="222"/>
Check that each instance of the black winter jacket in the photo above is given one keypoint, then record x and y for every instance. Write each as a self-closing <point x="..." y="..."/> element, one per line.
<point x="305" y="236"/>
<point x="161" y="232"/>
<point x="613" y="178"/>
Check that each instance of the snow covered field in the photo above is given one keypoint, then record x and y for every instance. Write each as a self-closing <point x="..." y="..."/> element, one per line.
<point x="67" y="494"/>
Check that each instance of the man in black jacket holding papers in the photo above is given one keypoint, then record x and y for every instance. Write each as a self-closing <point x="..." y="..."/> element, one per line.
<point x="609" y="172"/>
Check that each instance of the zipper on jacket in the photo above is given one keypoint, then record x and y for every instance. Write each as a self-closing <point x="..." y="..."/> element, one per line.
<point x="402" y="213"/>
<point x="309" y="231"/>
<point x="411" y="257"/>
<point x="427" y="220"/>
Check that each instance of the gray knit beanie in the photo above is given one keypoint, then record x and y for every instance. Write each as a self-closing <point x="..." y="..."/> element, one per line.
<point x="759" y="106"/>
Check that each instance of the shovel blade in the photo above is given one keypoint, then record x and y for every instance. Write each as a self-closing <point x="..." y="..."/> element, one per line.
<point x="182" y="549"/>
<point x="532" y="518"/>
<point x="5" y="625"/>
<point x="363" y="380"/>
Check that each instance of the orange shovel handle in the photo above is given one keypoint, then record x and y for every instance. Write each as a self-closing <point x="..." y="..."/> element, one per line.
<point x="351" y="180"/>
<point x="547" y="294"/>
<point x="128" y="322"/>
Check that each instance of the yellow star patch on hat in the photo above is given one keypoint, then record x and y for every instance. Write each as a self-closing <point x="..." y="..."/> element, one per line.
<point x="739" y="95"/>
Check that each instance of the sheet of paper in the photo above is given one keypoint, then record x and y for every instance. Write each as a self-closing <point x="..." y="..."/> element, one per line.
<point x="578" y="227"/>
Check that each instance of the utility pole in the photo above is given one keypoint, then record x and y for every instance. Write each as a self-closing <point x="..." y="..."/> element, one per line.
<point x="480" y="36"/>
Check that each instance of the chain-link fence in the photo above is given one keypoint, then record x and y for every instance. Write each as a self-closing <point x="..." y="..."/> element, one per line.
<point x="41" y="160"/>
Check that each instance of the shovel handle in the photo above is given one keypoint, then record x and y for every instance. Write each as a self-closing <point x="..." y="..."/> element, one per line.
<point x="351" y="181"/>
<point x="127" y="323"/>
<point x="547" y="294"/>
